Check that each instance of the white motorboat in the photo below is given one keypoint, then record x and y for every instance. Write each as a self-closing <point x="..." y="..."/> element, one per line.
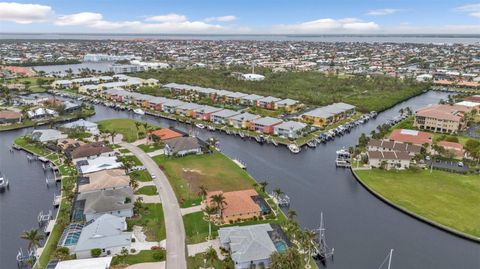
<point x="139" y="111"/>
<point x="294" y="148"/>
<point x="211" y="128"/>
<point x="199" y="125"/>
<point x="3" y="182"/>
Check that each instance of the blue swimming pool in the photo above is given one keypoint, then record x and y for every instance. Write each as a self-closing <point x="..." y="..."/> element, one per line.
<point x="281" y="246"/>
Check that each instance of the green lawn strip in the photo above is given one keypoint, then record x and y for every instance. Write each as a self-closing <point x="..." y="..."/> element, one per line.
<point x="156" y="255"/>
<point x="447" y="198"/>
<point x="150" y="147"/>
<point x="215" y="171"/>
<point x="122" y="150"/>
<point x="147" y="190"/>
<point x="152" y="220"/>
<point x="131" y="159"/>
<point x="141" y="175"/>
<point x="126" y="127"/>
<point x="198" y="261"/>
<point x="265" y="112"/>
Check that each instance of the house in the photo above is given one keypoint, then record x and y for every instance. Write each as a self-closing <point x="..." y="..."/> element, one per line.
<point x="268" y="102"/>
<point x="155" y="103"/>
<point x="243" y="120"/>
<point x="98" y="164"/>
<point x="89" y="151"/>
<point x="390" y="146"/>
<point x="205" y="112"/>
<point x="223" y="116"/>
<point x="10" y="117"/>
<point x="473" y="98"/>
<point x="171" y="106"/>
<point x="89" y="89"/>
<point x="165" y="134"/>
<point x="234" y="97"/>
<point x="455" y="148"/>
<point x="389" y="159"/>
<point x="40" y="113"/>
<point x="239" y="205"/>
<point x="441" y="118"/>
<point x="106" y="233"/>
<point x="471" y="105"/>
<point x="289" y="129"/>
<point x="93" y="263"/>
<point x="250" y="246"/>
<point x="264" y="125"/>
<point x="103" y="180"/>
<point x="253" y="77"/>
<point x="47" y="135"/>
<point x="182" y="146"/>
<point x="117" y="202"/>
<point x="61" y="84"/>
<point x="250" y="100"/>
<point x="187" y="109"/>
<point x="288" y="104"/>
<point x="69" y="144"/>
<point x="323" y="116"/>
<point x="87" y="126"/>
<point x="411" y="136"/>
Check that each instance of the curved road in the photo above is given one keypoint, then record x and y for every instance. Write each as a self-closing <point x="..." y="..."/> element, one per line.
<point x="176" y="249"/>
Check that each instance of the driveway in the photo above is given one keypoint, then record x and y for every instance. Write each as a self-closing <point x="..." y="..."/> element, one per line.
<point x="176" y="248"/>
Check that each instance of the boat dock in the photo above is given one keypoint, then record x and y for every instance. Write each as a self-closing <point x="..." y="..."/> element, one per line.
<point x="240" y="164"/>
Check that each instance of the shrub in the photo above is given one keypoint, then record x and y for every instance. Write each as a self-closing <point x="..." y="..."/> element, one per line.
<point x="158" y="255"/>
<point x="95" y="252"/>
<point x="133" y="250"/>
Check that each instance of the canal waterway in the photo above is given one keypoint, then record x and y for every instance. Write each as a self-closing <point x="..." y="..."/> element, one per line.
<point x="361" y="228"/>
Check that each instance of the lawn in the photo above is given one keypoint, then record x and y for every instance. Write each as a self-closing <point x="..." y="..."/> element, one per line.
<point x="265" y="112"/>
<point x="198" y="261"/>
<point x="196" y="228"/>
<point x="141" y="257"/>
<point x="130" y="159"/>
<point x="141" y="175"/>
<point x="446" y="198"/>
<point x="147" y="190"/>
<point x="126" y="127"/>
<point x="152" y="220"/>
<point x="151" y="147"/>
<point x="215" y="171"/>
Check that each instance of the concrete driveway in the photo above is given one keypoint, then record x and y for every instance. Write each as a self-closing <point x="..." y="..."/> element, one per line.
<point x="176" y="247"/>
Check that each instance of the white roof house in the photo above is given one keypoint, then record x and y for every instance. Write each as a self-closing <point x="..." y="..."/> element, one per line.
<point x="468" y="104"/>
<point x="98" y="164"/>
<point x="329" y="111"/>
<point x="94" y="263"/>
<point x="289" y="129"/>
<point x="88" y="126"/>
<point x="287" y="102"/>
<point x="253" y="77"/>
<point x="47" y="135"/>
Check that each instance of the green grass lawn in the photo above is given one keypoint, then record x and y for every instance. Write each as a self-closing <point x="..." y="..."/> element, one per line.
<point x="147" y="190"/>
<point x="141" y="257"/>
<point x="215" y="171"/>
<point x="196" y="228"/>
<point x="126" y="127"/>
<point x="131" y="159"/>
<point x="265" y="112"/>
<point x="197" y="261"/>
<point x="152" y="220"/>
<point x="122" y="150"/>
<point x="141" y="175"/>
<point x="151" y="147"/>
<point x="447" y="198"/>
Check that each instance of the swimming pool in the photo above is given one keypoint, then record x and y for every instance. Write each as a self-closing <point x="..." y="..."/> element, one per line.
<point x="280" y="245"/>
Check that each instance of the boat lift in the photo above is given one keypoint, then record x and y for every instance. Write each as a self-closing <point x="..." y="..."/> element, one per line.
<point x="24" y="257"/>
<point x="44" y="218"/>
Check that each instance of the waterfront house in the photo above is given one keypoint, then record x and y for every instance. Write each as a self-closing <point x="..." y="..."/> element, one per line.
<point x="10" y="117"/>
<point x="93" y="263"/>
<point x="187" y="109"/>
<point x="243" y="120"/>
<point x="264" y="125"/>
<point x="326" y="115"/>
<point x="411" y="136"/>
<point x="441" y="118"/>
<point x="205" y="112"/>
<point x="181" y="146"/>
<point x="389" y="159"/>
<point x="250" y="100"/>
<point x="62" y="84"/>
<point x="234" y="97"/>
<point x="391" y="146"/>
<point x="47" y="135"/>
<point x="69" y="144"/>
<point x="155" y="103"/>
<point x="223" y="116"/>
<point x="98" y="164"/>
<point x="103" y="180"/>
<point x="41" y="113"/>
<point x="107" y="233"/>
<point x="289" y="105"/>
<point x="171" y="106"/>
<point x="268" y="102"/>
<point x="86" y="126"/>
<point x="89" y="89"/>
<point x="165" y="134"/>
<point x="89" y="151"/>
<point x="249" y="246"/>
<point x="118" y="202"/>
<point x="289" y="129"/>
<point x="239" y="205"/>
<point x="84" y="81"/>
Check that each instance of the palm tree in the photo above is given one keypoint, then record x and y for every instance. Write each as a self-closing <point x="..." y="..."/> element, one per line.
<point x="278" y="192"/>
<point x="219" y="201"/>
<point x="203" y="191"/>
<point x="263" y="185"/>
<point x="209" y="212"/>
<point x="96" y="137"/>
<point x="291" y="214"/>
<point x="112" y="135"/>
<point x="137" y="205"/>
<point x="210" y="255"/>
<point x="133" y="183"/>
<point x="307" y="238"/>
<point x="33" y="237"/>
<point x="127" y="166"/>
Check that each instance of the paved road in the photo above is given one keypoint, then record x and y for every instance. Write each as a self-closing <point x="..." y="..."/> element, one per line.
<point x="176" y="248"/>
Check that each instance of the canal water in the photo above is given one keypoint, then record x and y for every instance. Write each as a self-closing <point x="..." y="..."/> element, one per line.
<point x="361" y="228"/>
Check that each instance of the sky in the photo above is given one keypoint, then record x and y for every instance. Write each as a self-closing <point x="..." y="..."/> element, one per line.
<point x="242" y="16"/>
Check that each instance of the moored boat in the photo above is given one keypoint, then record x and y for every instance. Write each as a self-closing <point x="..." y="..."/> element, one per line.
<point x="294" y="148"/>
<point x="139" y="111"/>
<point x="199" y="125"/>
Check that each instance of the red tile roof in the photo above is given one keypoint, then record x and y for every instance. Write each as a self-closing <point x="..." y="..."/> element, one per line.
<point x="165" y="134"/>
<point x="443" y="112"/>
<point x="411" y="136"/>
<point x="238" y="202"/>
<point x="455" y="148"/>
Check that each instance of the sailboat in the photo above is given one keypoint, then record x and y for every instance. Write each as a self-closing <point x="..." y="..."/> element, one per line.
<point x="389" y="259"/>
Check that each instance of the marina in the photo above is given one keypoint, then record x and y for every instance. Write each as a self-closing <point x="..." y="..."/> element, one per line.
<point x="310" y="179"/>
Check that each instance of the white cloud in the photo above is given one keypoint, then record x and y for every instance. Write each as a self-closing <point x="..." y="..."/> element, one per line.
<point x="221" y="18"/>
<point x="383" y="11"/>
<point x="24" y="13"/>
<point x="471" y="9"/>
<point x="328" y="25"/>
<point x="172" y="17"/>
<point x="83" y="18"/>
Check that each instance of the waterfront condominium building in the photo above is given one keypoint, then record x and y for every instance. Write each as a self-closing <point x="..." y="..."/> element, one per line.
<point x="441" y="118"/>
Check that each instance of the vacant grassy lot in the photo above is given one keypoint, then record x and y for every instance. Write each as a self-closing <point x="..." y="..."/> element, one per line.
<point x="140" y="175"/>
<point x="375" y="93"/>
<point x="215" y="171"/>
<point x="196" y="228"/>
<point x="147" y="190"/>
<point x="449" y="199"/>
<point x="140" y="257"/>
<point x="152" y="221"/>
<point x="126" y="127"/>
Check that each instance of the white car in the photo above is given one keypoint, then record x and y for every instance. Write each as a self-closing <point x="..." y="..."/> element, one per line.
<point x="153" y="176"/>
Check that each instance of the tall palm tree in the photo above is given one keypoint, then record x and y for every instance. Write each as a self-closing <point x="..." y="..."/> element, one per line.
<point x="307" y="243"/>
<point x="112" y="135"/>
<point x="33" y="238"/>
<point x="278" y="192"/>
<point x="209" y="212"/>
<point x="291" y="214"/>
<point x="211" y="255"/>
<point x="202" y="191"/>
<point x="263" y="185"/>
<point x="134" y="183"/>
<point x="219" y="201"/>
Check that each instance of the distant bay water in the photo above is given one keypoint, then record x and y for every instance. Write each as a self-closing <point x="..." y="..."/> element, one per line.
<point x="422" y="39"/>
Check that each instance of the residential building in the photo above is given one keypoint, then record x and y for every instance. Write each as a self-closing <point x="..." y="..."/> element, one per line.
<point x="243" y="120"/>
<point x="289" y="105"/>
<point x="103" y="180"/>
<point x="250" y="100"/>
<point x="239" y="205"/>
<point x="289" y="129"/>
<point x="205" y="112"/>
<point x="47" y="135"/>
<point x="253" y="77"/>
<point x="87" y="126"/>
<point x="182" y="146"/>
<point x="265" y="125"/>
<point x="89" y="151"/>
<point x="187" y="109"/>
<point x="411" y="136"/>
<point x="326" y="115"/>
<point x="93" y="263"/>
<point x="117" y="202"/>
<point x="455" y="148"/>
<point x="223" y="116"/>
<point x="441" y="118"/>
<point x="171" y="106"/>
<point x="268" y="102"/>
<point x="389" y="159"/>
<point x="98" y="164"/>
<point x="391" y="146"/>
<point x="165" y="134"/>
<point x="10" y="117"/>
